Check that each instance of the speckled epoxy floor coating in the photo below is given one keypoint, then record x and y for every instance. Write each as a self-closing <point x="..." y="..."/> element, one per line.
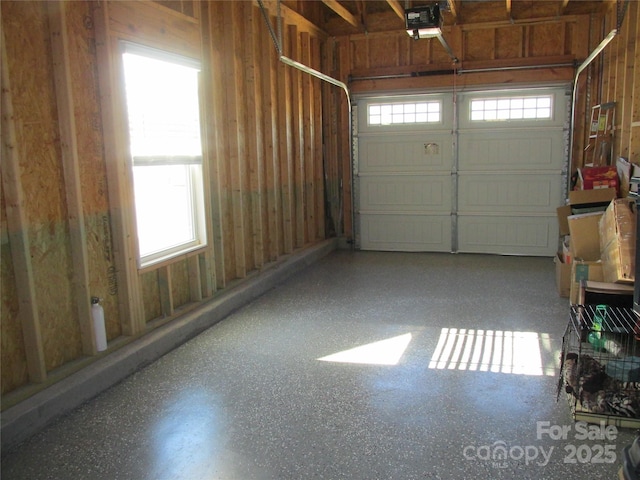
<point x="250" y="399"/>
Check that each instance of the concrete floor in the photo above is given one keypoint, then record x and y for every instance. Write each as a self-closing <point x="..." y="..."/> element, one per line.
<point x="276" y="391"/>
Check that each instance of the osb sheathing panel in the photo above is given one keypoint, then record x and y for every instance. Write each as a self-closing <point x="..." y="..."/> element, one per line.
<point x="150" y="296"/>
<point x="508" y="42"/>
<point x="29" y="58"/>
<point x="180" y="284"/>
<point x="13" y="361"/>
<point x="91" y="163"/>
<point x="479" y="44"/>
<point x="546" y="40"/>
<point x="385" y="48"/>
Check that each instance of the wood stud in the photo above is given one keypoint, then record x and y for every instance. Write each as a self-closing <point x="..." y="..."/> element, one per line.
<point x="18" y="232"/>
<point x="69" y="152"/>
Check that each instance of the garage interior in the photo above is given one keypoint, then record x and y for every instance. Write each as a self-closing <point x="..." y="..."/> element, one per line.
<point x="330" y="223"/>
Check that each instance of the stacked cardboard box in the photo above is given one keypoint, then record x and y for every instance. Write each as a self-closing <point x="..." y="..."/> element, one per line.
<point x="578" y="224"/>
<point x="617" y="234"/>
<point x="593" y="178"/>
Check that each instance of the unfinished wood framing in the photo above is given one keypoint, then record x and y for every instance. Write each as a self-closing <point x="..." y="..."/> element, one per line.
<point x="18" y="228"/>
<point x="286" y="147"/>
<point x="234" y="41"/>
<point x="255" y="147"/>
<point x="298" y="139"/>
<point x="270" y="144"/>
<point x="276" y="141"/>
<point x="213" y="96"/>
<point x="69" y="151"/>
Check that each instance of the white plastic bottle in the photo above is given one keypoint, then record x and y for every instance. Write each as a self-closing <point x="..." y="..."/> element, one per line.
<point x="97" y="313"/>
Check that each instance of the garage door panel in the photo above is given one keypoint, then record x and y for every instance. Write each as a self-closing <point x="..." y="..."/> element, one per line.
<point x="406" y="233"/>
<point x="520" y="150"/>
<point x="405" y="153"/>
<point x="406" y="193"/>
<point x="509" y="235"/>
<point x="486" y="178"/>
<point x="508" y="193"/>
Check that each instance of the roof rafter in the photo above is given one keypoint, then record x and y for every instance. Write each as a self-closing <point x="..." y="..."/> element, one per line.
<point x="343" y="12"/>
<point x="395" y="5"/>
<point x="453" y="7"/>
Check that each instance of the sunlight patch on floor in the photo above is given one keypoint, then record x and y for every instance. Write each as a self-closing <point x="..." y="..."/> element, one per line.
<point x="383" y="352"/>
<point x="498" y="351"/>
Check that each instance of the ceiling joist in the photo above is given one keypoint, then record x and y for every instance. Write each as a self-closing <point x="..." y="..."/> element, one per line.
<point x="345" y="14"/>
<point x="454" y="8"/>
<point x="395" y="5"/>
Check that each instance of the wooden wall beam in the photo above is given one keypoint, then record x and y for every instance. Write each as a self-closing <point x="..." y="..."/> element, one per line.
<point x="18" y="229"/>
<point x="330" y="147"/>
<point x="255" y="121"/>
<point x="285" y="147"/>
<point x="345" y="150"/>
<point x="318" y="151"/>
<point x="70" y="166"/>
<point x="298" y="140"/>
<point x="308" y="127"/>
<point x="119" y="180"/>
<point x="208" y="141"/>
<point x="271" y="155"/>
<point x="214" y="97"/>
<point x="232" y="42"/>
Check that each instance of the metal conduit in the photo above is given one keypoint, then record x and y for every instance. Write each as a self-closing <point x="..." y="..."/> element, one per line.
<point x="315" y="73"/>
<point x="580" y="69"/>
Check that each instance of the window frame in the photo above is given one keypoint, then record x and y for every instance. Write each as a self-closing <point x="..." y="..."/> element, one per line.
<point x="194" y="164"/>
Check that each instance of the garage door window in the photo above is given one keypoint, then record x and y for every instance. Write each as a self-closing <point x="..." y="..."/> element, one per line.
<point x="511" y="108"/>
<point x="404" y="113"/>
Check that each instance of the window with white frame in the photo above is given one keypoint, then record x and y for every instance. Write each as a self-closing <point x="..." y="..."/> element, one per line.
<point x="404" y="113"/>
<point x="165" y="146"/>
<point x="512" y="108"/>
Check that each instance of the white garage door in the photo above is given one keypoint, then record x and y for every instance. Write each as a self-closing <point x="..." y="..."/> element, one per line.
<point x="488" y="182"/>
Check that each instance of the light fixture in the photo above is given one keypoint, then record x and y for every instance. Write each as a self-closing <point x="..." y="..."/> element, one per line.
<point x="423" y="22"/>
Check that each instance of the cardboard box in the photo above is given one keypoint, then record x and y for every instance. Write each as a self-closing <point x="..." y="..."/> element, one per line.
<point x="583" y="271"/>
<point x="617" y="233"/>
<point x="563" y="276"/>
<point x="581" y="201"/>
<point x="595" y="178"/>
<point x="585" y="236"/>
